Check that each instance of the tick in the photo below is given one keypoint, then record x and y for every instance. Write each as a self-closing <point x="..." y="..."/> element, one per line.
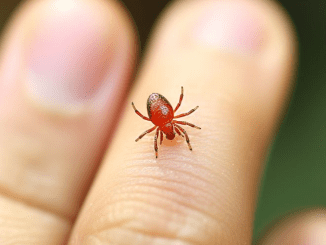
<point x="161" y="114"/>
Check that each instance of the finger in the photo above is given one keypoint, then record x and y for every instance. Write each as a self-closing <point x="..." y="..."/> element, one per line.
<point x="234" y="60"/>
<point x="304" y="227"/>
<point x="65" y="67"/>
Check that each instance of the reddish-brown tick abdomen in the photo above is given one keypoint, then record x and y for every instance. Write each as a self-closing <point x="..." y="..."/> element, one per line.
<point x="159" y="109"/>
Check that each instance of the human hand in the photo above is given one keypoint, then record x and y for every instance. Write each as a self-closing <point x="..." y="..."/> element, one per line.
<point x="66" y="67"/>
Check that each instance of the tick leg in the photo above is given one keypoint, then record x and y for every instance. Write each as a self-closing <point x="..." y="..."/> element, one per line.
<point x="146" y="132"/>
<point x="186" y="123"/>
<point x="185" y="133"/>
<point x="155" y="142"/>
<point x="178" y="131"/>
<point x="187" y="113"/>
<point x="161" y="137"/>
<point x="180" y="100"/>
<point x="138" y="113"/>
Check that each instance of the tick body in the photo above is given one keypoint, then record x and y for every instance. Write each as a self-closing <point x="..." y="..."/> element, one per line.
<point x="161" y="114"/>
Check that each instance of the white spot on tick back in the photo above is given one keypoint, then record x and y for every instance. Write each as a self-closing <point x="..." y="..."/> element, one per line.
<point x="164" y="110"/>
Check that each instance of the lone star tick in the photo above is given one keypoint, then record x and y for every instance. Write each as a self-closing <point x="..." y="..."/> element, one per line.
<point x="161" y="114"/>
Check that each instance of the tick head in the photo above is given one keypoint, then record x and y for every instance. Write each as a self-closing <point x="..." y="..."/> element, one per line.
<point x="168" y="130"/>
<point x="170" y="136"/>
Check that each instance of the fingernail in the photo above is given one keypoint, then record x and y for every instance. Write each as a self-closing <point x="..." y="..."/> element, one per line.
<point x="69" y="55"/>
<point x="230" y="25"/>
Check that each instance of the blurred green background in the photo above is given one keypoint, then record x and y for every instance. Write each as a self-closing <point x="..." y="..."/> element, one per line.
<point x="296" y="169"/>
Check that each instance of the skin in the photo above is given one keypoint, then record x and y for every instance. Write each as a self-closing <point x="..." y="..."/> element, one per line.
<point x="56" y="128"/>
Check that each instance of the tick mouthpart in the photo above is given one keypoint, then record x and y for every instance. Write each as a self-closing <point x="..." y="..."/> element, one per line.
<point x="170" y="136"/>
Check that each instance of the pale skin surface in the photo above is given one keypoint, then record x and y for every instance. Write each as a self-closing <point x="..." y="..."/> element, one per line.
<point x="65" y="75"/>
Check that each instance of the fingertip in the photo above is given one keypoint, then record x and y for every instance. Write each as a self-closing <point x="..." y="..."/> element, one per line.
<point x="298" y="227"/>
<point x="65" y="70"/>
